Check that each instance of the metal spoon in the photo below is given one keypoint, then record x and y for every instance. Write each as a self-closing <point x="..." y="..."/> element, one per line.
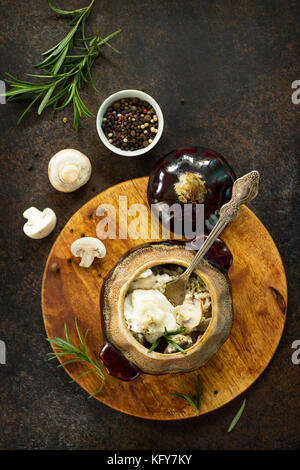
<point x="244" y="190"/>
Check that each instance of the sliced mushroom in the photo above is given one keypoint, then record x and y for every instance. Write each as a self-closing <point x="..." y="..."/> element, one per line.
<point x="39" y="224"/>
<point x="88" y="249"/>
<point x="143" y="282"/>
<point x="68" y="170"/>
<point x="189" y="314"/>
<point x="203" y="325"/>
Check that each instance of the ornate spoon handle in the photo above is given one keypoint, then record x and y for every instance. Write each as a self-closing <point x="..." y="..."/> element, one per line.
<point x="244" y="190"/>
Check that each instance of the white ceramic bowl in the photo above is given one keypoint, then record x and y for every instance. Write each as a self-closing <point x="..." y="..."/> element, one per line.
<point x="129" y="94"/>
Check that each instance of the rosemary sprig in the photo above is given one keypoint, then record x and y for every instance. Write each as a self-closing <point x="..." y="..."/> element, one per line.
<point x="186" y="396"/>
<point x="167" y="334"/>
<point x="237" y="416"/>
<point x="65" y="68"/>
<point x="64" y="348"/>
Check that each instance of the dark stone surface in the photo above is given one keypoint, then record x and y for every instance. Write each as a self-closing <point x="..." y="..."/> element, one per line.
<point x="233" y="63"/>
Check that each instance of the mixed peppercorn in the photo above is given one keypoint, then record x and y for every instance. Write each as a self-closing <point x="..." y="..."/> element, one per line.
<point x="130" y="124"/>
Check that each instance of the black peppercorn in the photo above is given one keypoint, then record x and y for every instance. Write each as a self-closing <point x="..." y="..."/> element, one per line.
<point x="129" y="118"/>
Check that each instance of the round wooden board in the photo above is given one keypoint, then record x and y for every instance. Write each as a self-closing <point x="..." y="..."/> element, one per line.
<point x="259" y="298"/>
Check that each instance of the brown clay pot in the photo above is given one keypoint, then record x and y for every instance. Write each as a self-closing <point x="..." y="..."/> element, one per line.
<point x="117" y="332"/>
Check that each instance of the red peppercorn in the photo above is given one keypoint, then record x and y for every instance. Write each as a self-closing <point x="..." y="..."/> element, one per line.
<point x="145" y="111"/>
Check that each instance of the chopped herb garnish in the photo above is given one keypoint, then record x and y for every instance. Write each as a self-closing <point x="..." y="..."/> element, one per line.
<point x="154" y="345"/>
<point x="167" y="335"/>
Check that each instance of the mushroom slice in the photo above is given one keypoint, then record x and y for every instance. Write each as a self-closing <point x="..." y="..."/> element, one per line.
<point x="189" y="314"/>
<point x="143" y="282"/>
<point x="39" y="224"/>
<point x="88" y="249"/>
<point x="68" y="170"/>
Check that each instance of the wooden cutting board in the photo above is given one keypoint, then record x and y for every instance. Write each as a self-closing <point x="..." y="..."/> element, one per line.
<point x="259" y="298"/>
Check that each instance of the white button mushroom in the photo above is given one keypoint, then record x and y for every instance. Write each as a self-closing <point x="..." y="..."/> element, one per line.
<point x="88" y="248"/>
<point x="68" y="170"/>
<point x="39" y="224"/>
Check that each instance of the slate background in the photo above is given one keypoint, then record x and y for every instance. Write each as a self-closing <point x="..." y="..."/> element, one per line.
<point x="233" y="62"/>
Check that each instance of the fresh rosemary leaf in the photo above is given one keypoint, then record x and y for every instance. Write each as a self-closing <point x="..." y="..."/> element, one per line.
<point x="66" y="331"/>
<point x="167" y="335"/>
<point x="82" y="106"/>
<point x="172" y="333"/>
<point x="77" y="331"/>
<point x="84" y="343"/>
<point x="81" y="375"/>
<point x="58" y="354"/>
<point x="176" y="345"/>
<point x="186" y="396"/>
<point x="65" y="12"/>
<point x="237" y="417"/>
<point x="198" y="391"/>
<point x="58" y="48"/>
<point x="79" y="17"/>
<point x="64" y="347"/>
<point x="154" y="345"/>
<point x="28" y="108"/>
<point x="46" y="99"/>
<point x="96" y="392"/>
<point x="108" y="38"/>
<point x="63" y="71"/>
<point x="183" y="387"/>
<point x="62" y="364"/>
<point x="91" y="81"/>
